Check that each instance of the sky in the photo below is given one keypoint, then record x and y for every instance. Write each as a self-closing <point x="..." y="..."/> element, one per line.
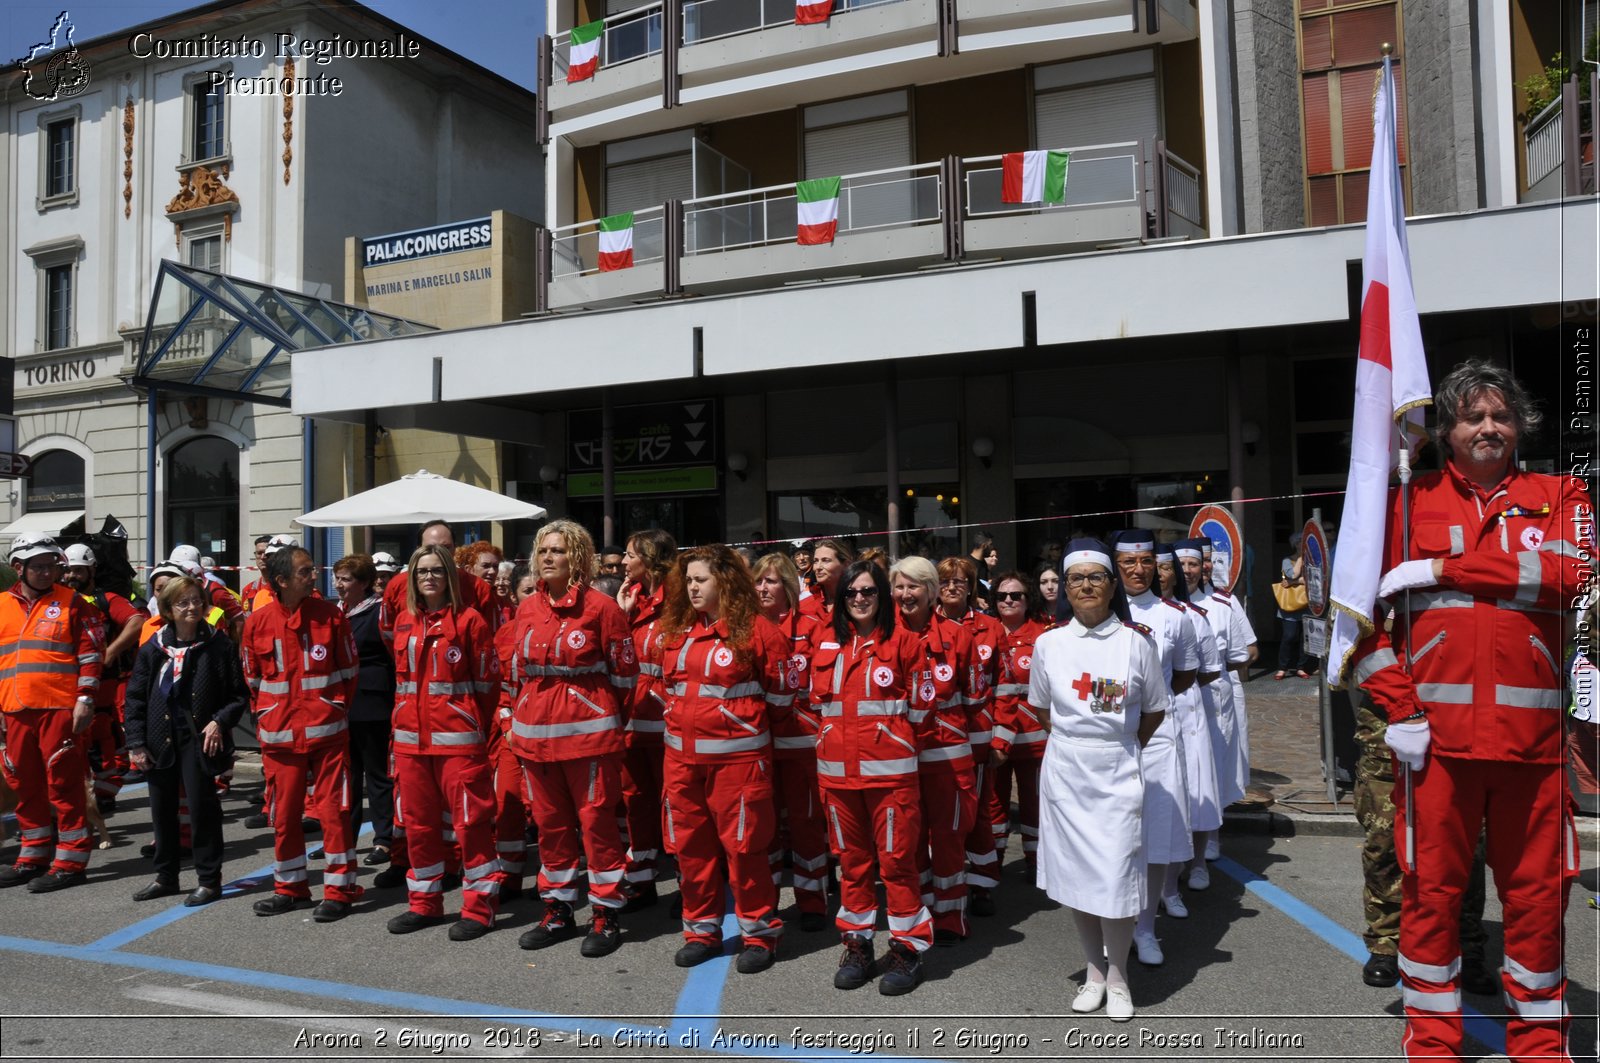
<point x="498" y="34"/>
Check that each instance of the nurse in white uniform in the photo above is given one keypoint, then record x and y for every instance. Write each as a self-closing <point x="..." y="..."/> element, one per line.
<point x="1226" y="723"/>
<point x="1099" y="679"/>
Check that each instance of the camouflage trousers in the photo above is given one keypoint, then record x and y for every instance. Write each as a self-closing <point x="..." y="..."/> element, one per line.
<point x="1380" y="864"/>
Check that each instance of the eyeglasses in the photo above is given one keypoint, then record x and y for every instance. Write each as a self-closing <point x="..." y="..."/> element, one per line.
<point x="1012" y="596"/>
<point x="952" y="583"/>
<point x="188" y="603"/>
<point x="1091" y="579"/>
<point x="861" y="592"/>
<point x="430" y="573"/>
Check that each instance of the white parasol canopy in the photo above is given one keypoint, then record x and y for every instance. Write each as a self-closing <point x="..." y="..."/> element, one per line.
<point x="416" y="499"/>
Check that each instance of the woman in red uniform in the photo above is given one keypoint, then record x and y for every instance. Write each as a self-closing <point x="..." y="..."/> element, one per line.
<point x="794" y="746"/>
<point x="829" y="558"/>
<point x="724" y="670"/>
<point x="1019" y="735"/>
<point x="575" y="666"/>
<point x="864" y="675"/>
<point x="646" y="561"/>
<point x="447" y="685"/>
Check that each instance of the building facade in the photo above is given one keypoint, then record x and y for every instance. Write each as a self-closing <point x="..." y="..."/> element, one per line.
<point x="244" y="138"/>
<point x="1180" y="329"/>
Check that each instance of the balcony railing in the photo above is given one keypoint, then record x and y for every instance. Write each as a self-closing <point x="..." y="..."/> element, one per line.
<point x="575" y="249"/>
<point x="1097" y="175"/>
<point x="1543" y="143"/>
<point x="709" y="20"/>
<point x="879" y="199"/>
<point x="629" y="35"/>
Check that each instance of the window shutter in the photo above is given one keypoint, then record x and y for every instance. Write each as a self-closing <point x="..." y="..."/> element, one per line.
<point x="859" y="147"/>
<point x="648" y="183"/>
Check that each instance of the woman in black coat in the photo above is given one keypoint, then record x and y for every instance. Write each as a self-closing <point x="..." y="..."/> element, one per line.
<point x="186" y="693"/>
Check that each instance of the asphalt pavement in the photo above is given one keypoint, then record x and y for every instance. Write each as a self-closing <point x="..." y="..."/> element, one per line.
<point x="1267" y="966"/>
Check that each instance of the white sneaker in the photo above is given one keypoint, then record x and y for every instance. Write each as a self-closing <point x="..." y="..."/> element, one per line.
<point x="1119" y="1004"/>
<point x="1213" y="848"/>
<point x="1199" y="877"/>
<point x="1175" y="907"/>
<point x="1148" y="949"/>
<point x="1090" y="996"/>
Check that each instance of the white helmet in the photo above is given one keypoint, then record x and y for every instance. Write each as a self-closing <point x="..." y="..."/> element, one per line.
<point x="278" y="542"/>
<point x="79" y="556"/>
<point x="26" y="546"/>
<point x="185" y="555"/>
<point x="385" y="562"/>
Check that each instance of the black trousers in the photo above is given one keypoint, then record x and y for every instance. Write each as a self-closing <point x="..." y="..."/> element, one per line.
<point x="369" y="776"/>
<point x="188" y="778"/>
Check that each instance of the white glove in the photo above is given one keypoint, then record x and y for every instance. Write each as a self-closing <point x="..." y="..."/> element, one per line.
<point x="1407" y="576"/>
<point x="1409" y="742"/>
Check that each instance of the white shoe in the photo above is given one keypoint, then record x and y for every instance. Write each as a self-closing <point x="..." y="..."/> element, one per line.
<point x="1213" y="848"/>
<point x="1199" y="877"/>
<point x="1089" y="998"/>
<point x="1119" y="1004"/>
<point x="1148" y="949"/>
<point x="1175" y="907"/>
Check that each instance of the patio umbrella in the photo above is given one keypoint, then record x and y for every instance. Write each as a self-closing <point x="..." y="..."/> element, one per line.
<point x="416" y="499"/>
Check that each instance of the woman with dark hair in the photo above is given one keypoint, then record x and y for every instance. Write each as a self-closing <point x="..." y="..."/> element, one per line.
<point x="510" y="809"/>
<point x="646" y="562"/>
<point x="794" y="743"/>
<point x="447" y="689"/>
<point x="370" y="711"/>
<point x="829" y="558"/>
<point x="185" y="695"/>
<point x="725" y="670"/>
<point x="1099" y="680"/>
<point x="1047" y="587"/>
<point x="574" y="665"/>
<point x="1019" y="733"/>
<point x="863" y="682"/>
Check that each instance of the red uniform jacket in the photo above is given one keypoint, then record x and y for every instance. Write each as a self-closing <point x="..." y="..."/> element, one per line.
<point x="794" y="733"/>
<point x="115" y="611"/>
<point x="303" y="671"/>
<point x="864" y="692"/>
<point x="988" y="635"/>
<point x="575" y="663"/>
<point x="948" y="686"/>
<point x="720" y="701"/>
<point x="1017" y="731"/>
<point x="447" y="684"/>
<point x="1485" y="644"/>
<point x="645" y="705"/>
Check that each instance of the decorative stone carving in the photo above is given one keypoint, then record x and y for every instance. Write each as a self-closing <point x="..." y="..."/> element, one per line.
<point x="202" y="188"/>
<point x="288" y="117"/>
<point x="127" y="158"/>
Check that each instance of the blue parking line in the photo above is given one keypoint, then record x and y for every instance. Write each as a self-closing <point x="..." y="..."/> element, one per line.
<point x="1477" y="1025"/>
<point x="700" y="1000"/>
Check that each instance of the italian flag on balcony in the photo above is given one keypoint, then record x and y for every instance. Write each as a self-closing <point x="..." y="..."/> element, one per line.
<point x="1034" y="177"/>
<point x="818" y="210"/>
<point x="616" y="242"/>
<point x="811" y="12"/>
<point x="583" y="58"/>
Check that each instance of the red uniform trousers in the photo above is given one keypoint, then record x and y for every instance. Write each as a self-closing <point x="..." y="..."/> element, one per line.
<point x="465" y="786"/>
<point x="881" y="826"/>
<point x="569" y="796"/>
<point x="949" y="810"/>
<point x="641" y="796"/>
<point x="45" y="765"/>
<point x="1532" y="849"/>
<point x="101" y="742"/>
<point x="327" y="768"/>
<point x="1000" y="778"/>
<point x="799" y="802"/>
<point x="510" y="818"/>
<point x="983" y="863"/>
<point x="1025" y="773"/>
<point x="716" y="815"/>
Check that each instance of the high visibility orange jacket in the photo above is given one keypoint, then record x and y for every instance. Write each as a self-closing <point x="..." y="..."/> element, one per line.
<point x="49" y="654"/>
<point x="303" y="671"/>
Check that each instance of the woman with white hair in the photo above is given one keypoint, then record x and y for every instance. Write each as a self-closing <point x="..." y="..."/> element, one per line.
<point x="1100" y="680"/>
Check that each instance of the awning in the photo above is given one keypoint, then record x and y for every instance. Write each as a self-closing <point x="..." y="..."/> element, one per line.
<point x="46" y="522"/>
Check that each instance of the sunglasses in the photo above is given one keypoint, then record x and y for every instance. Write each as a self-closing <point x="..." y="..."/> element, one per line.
<point x="1012" y="596"/>
<point x="861" y="592"/>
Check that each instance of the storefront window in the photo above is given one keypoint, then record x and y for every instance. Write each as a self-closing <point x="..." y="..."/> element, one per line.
<point x="56" y="482"/>
<point x="929" y="514"/>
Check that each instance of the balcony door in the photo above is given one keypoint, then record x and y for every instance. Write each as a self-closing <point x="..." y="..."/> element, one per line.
<point x="203" y="499"/>
<point x="858" y="136"/>
<point x="1110" y="99"/>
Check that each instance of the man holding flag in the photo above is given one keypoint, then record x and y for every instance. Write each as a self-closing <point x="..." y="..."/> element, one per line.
<point x="1478" y="560"/>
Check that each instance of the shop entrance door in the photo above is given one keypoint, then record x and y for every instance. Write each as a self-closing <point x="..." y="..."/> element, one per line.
<point x="203" y="502"/>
